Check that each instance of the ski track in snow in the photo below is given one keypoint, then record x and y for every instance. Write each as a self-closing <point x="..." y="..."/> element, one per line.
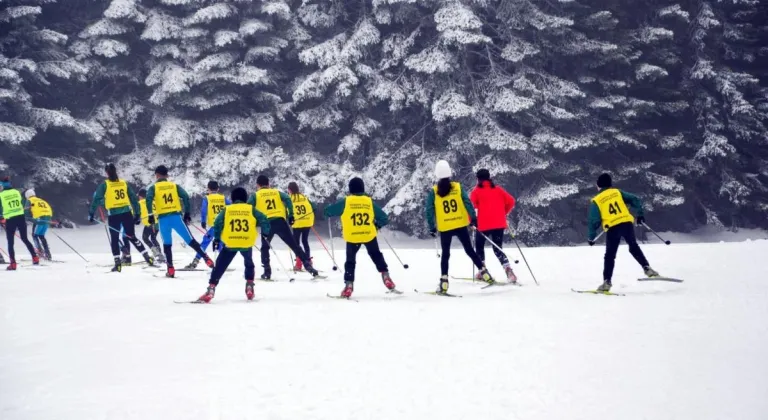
<point x="81" y="344"/>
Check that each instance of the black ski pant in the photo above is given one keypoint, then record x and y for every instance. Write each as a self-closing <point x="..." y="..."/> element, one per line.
<point x="462" y="234"/>
<point x="124" y="220"/>
<point x="497" y="237"/>
<point x="280" y="228"/>
<point x="149" y="235"/>
<point x="373" y="251"/>
<point x="225" y="258"/>
<point x="612" y="239"/>
<point x="12" y="225"/>
<point x="301" y="237"/>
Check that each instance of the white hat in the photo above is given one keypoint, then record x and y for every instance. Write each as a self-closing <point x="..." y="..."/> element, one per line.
<point x="30" y="193"/>
<point x="443" y="170"/>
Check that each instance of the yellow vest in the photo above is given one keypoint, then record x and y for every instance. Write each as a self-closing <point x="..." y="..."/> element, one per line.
<point x="268" y="202"/>
<point x="239" y="226"/>
<point x="116" y="195"/>
<point x="302" y="211"/>
<point x="166" y="198"/>
<point x="216" y="203"/>
<point x="144" y="213"/>
<point x="613" y="209"/>
<point x="450" y="212"/>
<point x="40" y="208"/>
<point x="357" y="220"/>
<point x="12" y="205"/>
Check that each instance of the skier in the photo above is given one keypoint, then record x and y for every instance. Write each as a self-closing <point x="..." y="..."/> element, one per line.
<point x="278" y="208"/>
<point x="449" y="211"/>
<point x="41" y="213"/>
<point x="168" y="205"/>
<point x="493" y="204"/>
<point x="609" y="210"/>
<point x="304" y="220"/>
<point x="235" y="227"/>
<point x="149" y="234"/>
<point x="360" y="220"/>
<point x="12" y="217"/>
<point x="213" y="204"/>
<point x="121" y="204"/>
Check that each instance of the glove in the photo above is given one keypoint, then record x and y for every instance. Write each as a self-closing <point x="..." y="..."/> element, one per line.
<point x="136" y="220"/>
<point x="433" y="232"/>
<point x="91" y="219"/>
<point x="640" y="221"/>
<point x="187" y="218"/>
<point x="216" y="244"/>
<point x="203" y="224"/>
<point x="2" y="222"/>
<point x="151" y="219"/>
<point x="591" y="242"/>
<point x="291" y="220"/>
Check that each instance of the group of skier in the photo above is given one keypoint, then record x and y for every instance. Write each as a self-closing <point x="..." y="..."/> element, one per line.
<point x="230" y="224"/>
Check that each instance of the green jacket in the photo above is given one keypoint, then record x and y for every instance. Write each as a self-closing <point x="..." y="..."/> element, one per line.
<point x="98" y="200"/>
<point x="595" y="220"/>
<point x="185" y="207"/>
<point x="380" y="219"/>
<point x="429" y="208"/>
<point x="261" y="220"/>
<point x="285" y="198"/>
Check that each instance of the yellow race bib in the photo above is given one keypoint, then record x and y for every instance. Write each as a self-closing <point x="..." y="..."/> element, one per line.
<point x="450" y="212"/>
<point x="268" y="202"/>
<point x="613" y="209"/>
<point x="39" y="208"/>
<point x="116" y="195"/>
<point x="357" y="220"/>
<point x="166" y="198"/>
<point x="144" y="213"/>
<point x="302" y="212"/>
<point x="239" y="226"/>
<point x="216" y="203"/>
<point x="12" y="205"/>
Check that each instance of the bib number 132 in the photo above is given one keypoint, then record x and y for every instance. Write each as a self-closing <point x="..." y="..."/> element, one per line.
<point x="360" y="219"/>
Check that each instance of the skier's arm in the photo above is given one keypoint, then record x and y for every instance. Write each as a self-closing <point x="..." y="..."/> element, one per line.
<point x="509" y="201"/>
<point x="633" y="202"/>
<point x="429" y="209"/>
<point x="185" y="207"/>
<point x="134" y="201"/>
<point x="27" y="208"/>
<point x="261" y="220"/>
<point x="380" y="218"/>
<point x="474" y="197"/>
<point x="252" y="199"/>
<point x="227" y="201"/>
<point x="593" y="221"/>
<point x="336" y="209"/>
<point x="204" y="211"/>
<point x="98" y="198"/>
<point x="288" y="203"/>
<point x="314" y="208"/>
<point x="468" y="204"/>
<point x="218" y="226"/>
<point x="151" y="200"/>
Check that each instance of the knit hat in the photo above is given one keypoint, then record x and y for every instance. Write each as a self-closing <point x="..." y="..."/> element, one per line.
<point x="293" y="187"/>
<point x="161" y="170"/>
<point x="442" y="170"/>
<point x="604" y="181"/>
<point x="143" y="192"/>
<point x="356" y="186"/>
<point x="213" y="185"/>
<point x="262" y="181"/>
<point x="483" y="175"/>
<point x="6" y="182"/>
<point x="30" y="193"/>
<point x="239" y="194"/>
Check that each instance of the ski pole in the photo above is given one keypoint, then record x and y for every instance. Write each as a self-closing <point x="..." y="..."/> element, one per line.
<point x="333" y="251"/>
<point x="324" y="247"/>
<point x="282" y="267"/>
<point x="394" y="252"/>
<point x="657" y="235"/>
<point x="437" y="248"/>
<point x="103" y="221"/>
<point x="494" y="245"/>
<point x="524" y="259"/>
<point x="70" y="246"/>
<point x="6" y="254"/>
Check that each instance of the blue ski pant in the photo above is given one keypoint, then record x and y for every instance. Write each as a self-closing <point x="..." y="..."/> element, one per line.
<point x="169" y="224"/>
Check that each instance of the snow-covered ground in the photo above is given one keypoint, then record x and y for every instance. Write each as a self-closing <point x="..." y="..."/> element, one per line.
<point x="76" y="343"/>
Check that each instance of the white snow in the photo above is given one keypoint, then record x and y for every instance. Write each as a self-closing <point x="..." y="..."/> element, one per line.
<point x="80" y="344"/>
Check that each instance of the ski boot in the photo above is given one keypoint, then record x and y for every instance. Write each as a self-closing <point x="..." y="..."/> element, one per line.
<point x="2" y="259"/>
<point x="193" y="264"/>
<point x="511" y="277"/>
<point x="126" y="260"/>
<point x="390" y="285"/>
<point x="208" y="261"/>
<point x="267" y="273"/>
<point x="118" y="265"/>
<point x="11" y="266"/>
<point x="149" y="259"/>
<point x="605" y="287"/>
<point x="650" y="273"/>
<point x="208" y="295"/>
<point x="249" y="289"/>
<point x="486" y="276"/>
<point x="159" y="257"/>
<point x="442" y="288"/>
<point x="348" y="289"/>
<point x="297" y="265"/>
<point x="170" y="272"/>
<point x="35" y="260"/>
<point x="311" y="270"/>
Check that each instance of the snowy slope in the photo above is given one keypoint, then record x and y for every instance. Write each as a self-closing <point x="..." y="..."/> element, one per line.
<point x="80" y="344"/>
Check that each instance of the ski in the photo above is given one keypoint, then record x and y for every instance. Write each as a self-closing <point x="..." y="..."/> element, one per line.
<point x="472" y="279"/>
<point x="190" y="301"/>
<point x="438" y="294"/>
<point x="394" y="292"/>
<point x="341" y="297"/>
<point x="670" y="279"/>
<point x="595" y="292"/>
<point x="267" y="280"/>
<point x="501" y="284"/>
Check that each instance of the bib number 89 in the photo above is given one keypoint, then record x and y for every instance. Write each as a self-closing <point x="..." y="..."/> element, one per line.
<point x="450" y="206"/>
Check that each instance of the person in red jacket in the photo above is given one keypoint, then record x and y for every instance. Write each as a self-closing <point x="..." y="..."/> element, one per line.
<point x="493" y="204"/>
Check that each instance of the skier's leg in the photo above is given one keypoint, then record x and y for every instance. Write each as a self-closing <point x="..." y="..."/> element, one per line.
<point x="183" y="230"/>
<point x="145" y="236"/>
<point x="222" y="262"/>
<point x="265" y="244"/>
<point x="207" y="239"/>
<point x="497" y="236"/>
<point x="166" y="231"/>
<point x="305" y="241"/>
<point x="129" y="231"/>
<point x="376" y="256"/>
<point x="250" y="268"/>
<point x="349" y="264"/>
<point x="445" y="255"/>
<point x="612" y="240"/>
<point x="480" y="245"/>
<point x="113" y="222"/>
<point x="9" y="231"/>
<point x="22" y="226"/>
<point x="628" y="232"/>
<point x="284" y="232"/>
<point x="463" y="235"/>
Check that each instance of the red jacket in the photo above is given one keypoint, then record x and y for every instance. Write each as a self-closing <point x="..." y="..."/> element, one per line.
<point x="493" y="205"/>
